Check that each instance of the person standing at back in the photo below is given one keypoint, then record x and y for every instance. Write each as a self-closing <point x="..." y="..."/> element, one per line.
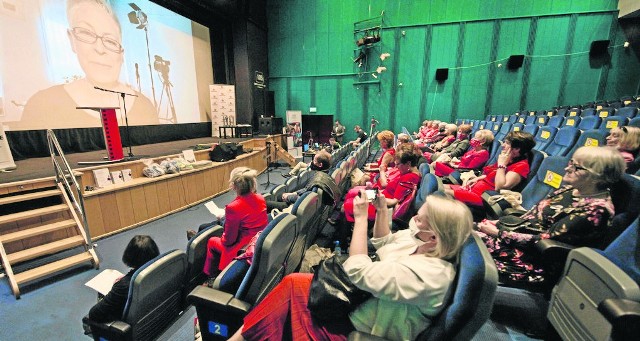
<point x="338" y="131"/>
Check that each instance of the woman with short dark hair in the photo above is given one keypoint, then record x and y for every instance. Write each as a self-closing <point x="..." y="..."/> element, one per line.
<point x="138" y="252"/>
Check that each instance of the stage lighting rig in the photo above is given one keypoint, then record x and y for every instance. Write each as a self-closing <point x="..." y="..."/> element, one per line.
<point x="138" y="17"/>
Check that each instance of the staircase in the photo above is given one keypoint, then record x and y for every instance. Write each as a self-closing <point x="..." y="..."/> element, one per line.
<point x="41" y="227"/>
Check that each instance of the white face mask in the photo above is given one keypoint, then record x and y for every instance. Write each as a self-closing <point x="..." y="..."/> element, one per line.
<point x="414" y="233"/>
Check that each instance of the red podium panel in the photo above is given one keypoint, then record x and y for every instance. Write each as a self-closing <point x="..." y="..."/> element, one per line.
<point x="111" y="132"/>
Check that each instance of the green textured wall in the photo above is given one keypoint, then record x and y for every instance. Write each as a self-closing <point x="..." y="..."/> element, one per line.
<point x="311" y="46"/>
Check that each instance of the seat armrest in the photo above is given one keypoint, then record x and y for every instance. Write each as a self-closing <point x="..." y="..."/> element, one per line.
<point x="624" y="316"/>
<point x="554" y="256"/>
<point x="514" y="212"/>
<point x="214" y="299"/>
<point x="114" y="330"/>
<point x="494" y="210"/>
<point x="360" y="336"/>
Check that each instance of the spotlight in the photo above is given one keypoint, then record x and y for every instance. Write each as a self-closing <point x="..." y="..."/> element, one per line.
<point x="137" y="17"/>
<point x="385" y="56"/>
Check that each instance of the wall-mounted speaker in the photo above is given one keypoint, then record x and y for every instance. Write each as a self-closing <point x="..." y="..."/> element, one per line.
<point x="598" y="48"/>
<point x="442" y="74"/>
<point x="515" y="61"/>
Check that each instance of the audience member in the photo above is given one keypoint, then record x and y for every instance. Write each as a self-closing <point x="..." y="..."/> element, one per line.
<point x="627" y="141"/>
<point x="579" y="214"/>
<point x="512" y="167"/>
<point x="409" y="283"/>
<point x="138" y="252"/>
<point x="321" y="161"/>
<point x="475" y="158"/>
<point x="448" y="138"/>
<point x="245" y="216"/>
<point x="361" y="135"/>
<point x="338" y="131"/>
<point x="386" y="160"/>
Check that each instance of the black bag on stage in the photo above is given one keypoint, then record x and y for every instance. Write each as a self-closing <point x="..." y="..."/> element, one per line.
<point x="332" y="296"/>
<point x="225" y="152"/>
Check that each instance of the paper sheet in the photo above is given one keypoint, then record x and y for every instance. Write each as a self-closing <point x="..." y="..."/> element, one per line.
<point x="214" y="209"/>
<point x="103" y="282"/>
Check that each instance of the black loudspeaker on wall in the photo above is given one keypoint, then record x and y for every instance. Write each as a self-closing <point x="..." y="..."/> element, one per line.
<point x="515" y="61"/>
<point x="442" y="74"/>
<point x="598" y="48"/>
<point x="270" y="125"/>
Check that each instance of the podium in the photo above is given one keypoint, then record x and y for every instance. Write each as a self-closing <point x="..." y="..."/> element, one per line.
<point x="111" y="133"/>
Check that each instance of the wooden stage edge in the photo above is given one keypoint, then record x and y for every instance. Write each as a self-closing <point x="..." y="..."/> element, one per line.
<point x="125" y="206"/>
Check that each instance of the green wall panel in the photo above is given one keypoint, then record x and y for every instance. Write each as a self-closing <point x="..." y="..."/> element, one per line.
<point x="311" y="48"/>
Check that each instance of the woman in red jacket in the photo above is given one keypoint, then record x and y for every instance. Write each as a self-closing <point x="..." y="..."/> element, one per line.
<point x="474" y="158"/>
<point x="245" y="216"/>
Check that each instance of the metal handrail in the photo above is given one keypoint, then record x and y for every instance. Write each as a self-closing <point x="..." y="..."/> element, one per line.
<point x="64" y="173"/>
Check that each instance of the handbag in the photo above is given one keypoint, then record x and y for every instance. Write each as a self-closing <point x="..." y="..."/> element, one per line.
<point x="404" y="211"/>
<point x="332" y="296"/>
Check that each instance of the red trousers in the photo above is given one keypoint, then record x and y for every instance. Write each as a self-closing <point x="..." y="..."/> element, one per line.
<point x="284" y="310"/>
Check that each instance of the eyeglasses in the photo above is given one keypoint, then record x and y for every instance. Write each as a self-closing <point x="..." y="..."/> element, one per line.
<point x="576" y="167"/>
<point x="87" y="36"/>
<point x="624" y="130"/>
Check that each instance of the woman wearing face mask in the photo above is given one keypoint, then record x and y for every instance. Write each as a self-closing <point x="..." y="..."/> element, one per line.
<point x="95" y="37"/>
<point x="579" y="214"/>
<point x="409" y="283"/>
<point x="475" y="158"/>
<point x="511" y="169"/>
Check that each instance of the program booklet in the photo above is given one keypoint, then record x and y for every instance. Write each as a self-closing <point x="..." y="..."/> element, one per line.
<point x="214" y="209"/>
<point x="103" y="282"/>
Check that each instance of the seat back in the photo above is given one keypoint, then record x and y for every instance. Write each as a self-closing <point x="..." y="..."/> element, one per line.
<point x="555" y="121"/>
<point x="541" y="120"/>
<point x="546" y="179"/>
<point x="196" y="255"/>
<point x="534" y="164"/>
<point x="588" y="279"/>
<point x="270" y="257"/>
<point x="605" y="112"/>
<point x="470" y="304"/>
<point x="530" y="120"/>
<point x="625" y="195"/>
<point x="628" y="112"/>
<point x="306" y="210"/>
<point x="635" y="122"/>
<point x="571" y="121"/>
<point x="591" y="138"/>
<point x="589" y="122"/>
<point x="155" y="295"/>
<point x="544" y="137"/>
<point x="613" y="122"/>
<point x="531" y="129"/>
<point x="563" y="142"/>
<point x="588" y="112"/>
<point x="573" y="112"/>
<point x="517" y="127"/>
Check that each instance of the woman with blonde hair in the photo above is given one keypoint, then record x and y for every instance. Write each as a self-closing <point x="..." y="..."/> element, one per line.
<point x="409" y="283"/>
<point x="245" y="216"/>
<point x="475" y="158"/>
<point x="627" y="141"/>
<point x="386" y="160"/>
<point x="579" y="214"/>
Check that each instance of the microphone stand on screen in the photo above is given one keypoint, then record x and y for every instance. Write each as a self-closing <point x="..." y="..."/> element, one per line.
<point x="130" y="157"/>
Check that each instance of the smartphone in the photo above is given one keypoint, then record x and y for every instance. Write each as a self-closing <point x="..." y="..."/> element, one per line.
<point x="371" y="194"/>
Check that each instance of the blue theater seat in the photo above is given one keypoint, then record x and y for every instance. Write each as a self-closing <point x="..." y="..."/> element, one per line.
<point x="588" y="112"/>
<point x="555" y="121"/>
<point x="573" y="121"/>
<point x="589" y="122"/>
<point x="544" y="137"/>
<point x="563" y="142"/>
<point x="628" y="112"/>
<point x="613" y="122"/>
<point x="593" y="138"/>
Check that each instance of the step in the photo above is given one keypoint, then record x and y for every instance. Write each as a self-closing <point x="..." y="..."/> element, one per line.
<point x="45" y="249"/>
<point x="29" y="196"/>
<point x="33" y="213"/>
<point x="35" y="231"/>
<point x="53" y="267"/>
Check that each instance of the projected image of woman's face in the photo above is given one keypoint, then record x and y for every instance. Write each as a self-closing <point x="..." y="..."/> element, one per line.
<point x="96" y="39"/>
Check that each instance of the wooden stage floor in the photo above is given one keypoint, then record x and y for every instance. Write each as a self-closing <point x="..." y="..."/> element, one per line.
<point x="36" y="168"/>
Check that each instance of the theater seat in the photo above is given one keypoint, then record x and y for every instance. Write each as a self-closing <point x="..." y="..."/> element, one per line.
<point x="220" y="313"/>
<point x="635" y="122"/>
<point x="613" y="122"/>
<point x="589" y="122"/>
<point x="555" y="121"/>
<point x="307" y="211"/>
<point x="563" y="142"/>
<point x="153" y="303"/>
<point x="544" y="137"/>
<point x="196" y="256"/>
<point x="571" y="121"/>
<point x="470" y="305"/>
<point x="628" y="112"/>
<point x="589" y="138"/>
<point x="598" y="297"/>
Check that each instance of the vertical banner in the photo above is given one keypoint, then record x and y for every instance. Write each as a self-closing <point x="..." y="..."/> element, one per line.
<point x="223" y="107"/>
<point x="294" y="130"/>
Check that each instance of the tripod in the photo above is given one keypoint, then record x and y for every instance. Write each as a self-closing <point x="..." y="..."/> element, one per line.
<point x="268" y="183"/>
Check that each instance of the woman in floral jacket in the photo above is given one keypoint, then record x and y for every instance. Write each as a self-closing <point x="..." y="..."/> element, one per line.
<point x="578" y="213"/>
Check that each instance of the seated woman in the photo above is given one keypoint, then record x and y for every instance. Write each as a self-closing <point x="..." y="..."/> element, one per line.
<point x="512" y="167"/>
<point x="627" y="141"/>
<point x="245" y="216"/>
<point x="579" y="213"/>
<point x="139" y="251"/>
<point x="475" y="158"/>
<point x="386" y="160"/>
<point x="456" y="148"/>
<point x="398" y="188"/>
<point x="448" y="138"/>
<point x="409" y="283"/>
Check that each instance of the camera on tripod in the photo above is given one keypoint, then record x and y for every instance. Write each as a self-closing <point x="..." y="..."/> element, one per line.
<point x="161" y="65"/>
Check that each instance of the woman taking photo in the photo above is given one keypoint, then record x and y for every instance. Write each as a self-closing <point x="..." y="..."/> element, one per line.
<point x="579" y="213"/>
<point x="409" y="283"/>
<point x="245" y="216"/>
<point x="512" y="167"/>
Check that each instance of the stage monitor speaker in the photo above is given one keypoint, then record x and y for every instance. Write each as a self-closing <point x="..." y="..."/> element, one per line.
<point x="270" y="125"/>
<point x="598" y="48"/>
<point x="515" y="61"/>
<point x="442" y="74"/>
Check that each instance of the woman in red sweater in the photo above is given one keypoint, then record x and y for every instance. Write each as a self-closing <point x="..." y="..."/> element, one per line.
<point x="245" y="216"/>
<point x="474" y="158"/>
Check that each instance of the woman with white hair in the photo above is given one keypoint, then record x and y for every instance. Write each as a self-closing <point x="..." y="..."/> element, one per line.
<point x="579" y="214"/>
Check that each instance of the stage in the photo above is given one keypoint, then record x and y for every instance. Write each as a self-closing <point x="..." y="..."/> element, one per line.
<point x="41" y="167"/>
